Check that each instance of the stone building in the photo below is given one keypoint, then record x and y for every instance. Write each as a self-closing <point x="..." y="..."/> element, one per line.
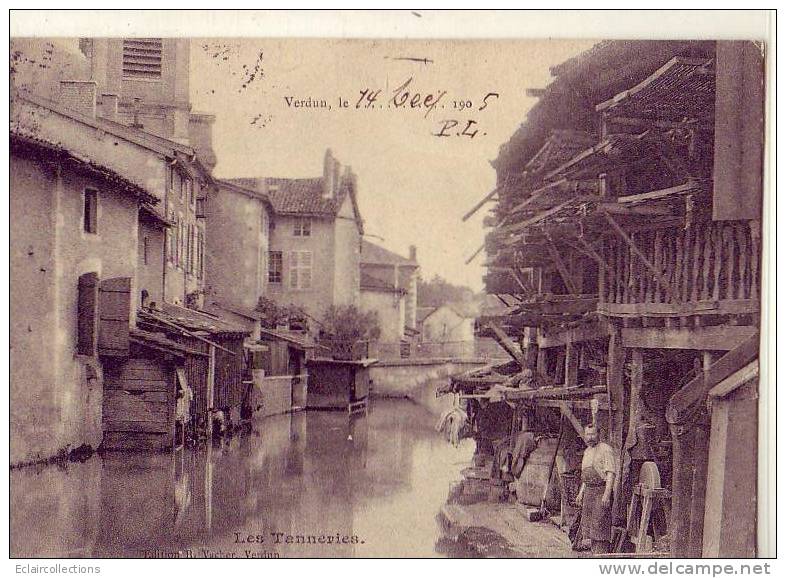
<point x="388" y="285"/>
<point x="315" y="238"/>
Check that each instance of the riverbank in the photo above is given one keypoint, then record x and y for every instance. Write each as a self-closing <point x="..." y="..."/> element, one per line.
<point x="501" y="530"/>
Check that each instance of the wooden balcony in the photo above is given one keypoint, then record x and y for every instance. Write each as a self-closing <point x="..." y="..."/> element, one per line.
<point x="709" y="268"/>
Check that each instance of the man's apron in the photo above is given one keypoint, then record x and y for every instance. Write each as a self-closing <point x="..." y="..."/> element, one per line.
<point x="595" y="518"/>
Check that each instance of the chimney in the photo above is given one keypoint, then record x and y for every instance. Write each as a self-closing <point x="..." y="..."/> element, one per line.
<point x="336" y="177"/>
<point x="107" y="106"/>
<point x="79" y="96"/>
<point x="328" y="175"/>
<point x="200" y="136"/>
<point x="413" y="253"/>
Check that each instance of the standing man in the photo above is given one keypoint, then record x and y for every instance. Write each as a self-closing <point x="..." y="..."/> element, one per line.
<point x="598" y="469"/>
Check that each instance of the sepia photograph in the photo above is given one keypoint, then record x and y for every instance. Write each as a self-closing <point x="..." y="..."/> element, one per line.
<point x="291" y="295"/>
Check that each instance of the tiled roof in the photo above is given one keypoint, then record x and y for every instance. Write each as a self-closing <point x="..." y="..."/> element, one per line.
<point x="193" y="320"/>
<point x="370" y="282"/>
<point x="376" y="255"/>
<point x="295" y="196"/>
<point x="299" y="339"/>
<point x="50" y="151"/>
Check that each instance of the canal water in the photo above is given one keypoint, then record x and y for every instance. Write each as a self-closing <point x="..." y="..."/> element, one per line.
<point x="309" y="484"/>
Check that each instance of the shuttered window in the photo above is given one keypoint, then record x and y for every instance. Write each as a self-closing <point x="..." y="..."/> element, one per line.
<point x="142" y="58"/>
<point x="87" y="314"/>
<point x="114" y="308"/>
<point x="300" y="264"/>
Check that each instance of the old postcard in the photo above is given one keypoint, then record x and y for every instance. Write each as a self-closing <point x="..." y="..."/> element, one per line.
<point x="359" y="297"/>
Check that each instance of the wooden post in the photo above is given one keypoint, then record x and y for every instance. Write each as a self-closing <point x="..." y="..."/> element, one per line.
<point x="615" y="385"/>
<point x="681" y="489"/>
<point x="572" y="351"/>
<point x="701" y="446"/>
<point x="542" y="361"/>
<point x="636" y="384"/>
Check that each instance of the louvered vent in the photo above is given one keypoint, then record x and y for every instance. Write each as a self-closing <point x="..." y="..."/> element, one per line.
<point x="142" y="58"/>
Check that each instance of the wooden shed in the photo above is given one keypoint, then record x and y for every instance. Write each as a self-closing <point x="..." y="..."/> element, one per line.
<point x="338" y="384"/>
<point x="216" y="363"/>
<point x="140" y="394"/>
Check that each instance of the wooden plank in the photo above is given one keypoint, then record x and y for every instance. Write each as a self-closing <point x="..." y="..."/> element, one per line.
<point x="716" y="338"/>
<point x="112" y="395"/>
<point x="136" y="441"/>
<point x="133" y="410"/>
<point x="154" y="373"/>
<point x="507" y="344"/>
<point x="119" y="425"/>
<point x="698" y="245"/>
<point x="717" y="241"/>
<point x="588" y="332"/>
<point x="516" y="227"/>
<point x="726" y="307"/>
<point x="137" y="384"/>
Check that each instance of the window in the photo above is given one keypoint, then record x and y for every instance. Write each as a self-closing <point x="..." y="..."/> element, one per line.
<point x="142" y="58"/>
<point x="190" y="193"/>
<point x="181" y="240"/>
<point x="200" y="253"/>
<point x="302" y="227"/>
<point x="145" y="249"/>
<point x="300" y="270"/>
<point x="275" y="266"/>
<point x="90" y="211"/>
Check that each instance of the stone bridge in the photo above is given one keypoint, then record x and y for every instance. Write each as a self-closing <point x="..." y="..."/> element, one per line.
<point x="418" y="379"/>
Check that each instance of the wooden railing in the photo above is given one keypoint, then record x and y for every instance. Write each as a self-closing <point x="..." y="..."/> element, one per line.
<point x="706" y="264"/>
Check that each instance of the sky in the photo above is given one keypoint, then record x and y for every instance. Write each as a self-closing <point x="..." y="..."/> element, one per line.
<point x="414" y="186"/>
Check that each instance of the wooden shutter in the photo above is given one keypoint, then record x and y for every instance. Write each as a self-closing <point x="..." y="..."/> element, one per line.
<point x="87" y="314"/>
<point x="114" y="307"/>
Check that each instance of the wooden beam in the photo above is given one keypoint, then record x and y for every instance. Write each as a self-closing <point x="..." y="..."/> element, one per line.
<point x="515" y="227"/>
<point x="714" y="338"/>
<point x="480" y="203"/>
<point x="571" y="417"/>
<point x="706" y="307"/>
<point x="562" y="268"/>
<point x="588" y="332"/>
<point x="572" y="353"/>
<point x="660" y="279"/>
<point x="507" y="344"/>
<point x="475" y="254"/>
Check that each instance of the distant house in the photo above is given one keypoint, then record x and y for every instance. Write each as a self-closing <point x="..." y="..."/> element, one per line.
<point x="315" y="236"/>
<point x="452" y="322"/>
<point x="388" y="285"/>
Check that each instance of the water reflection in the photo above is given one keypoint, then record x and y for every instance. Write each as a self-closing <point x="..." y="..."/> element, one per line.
<point x="307" y="484"/>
